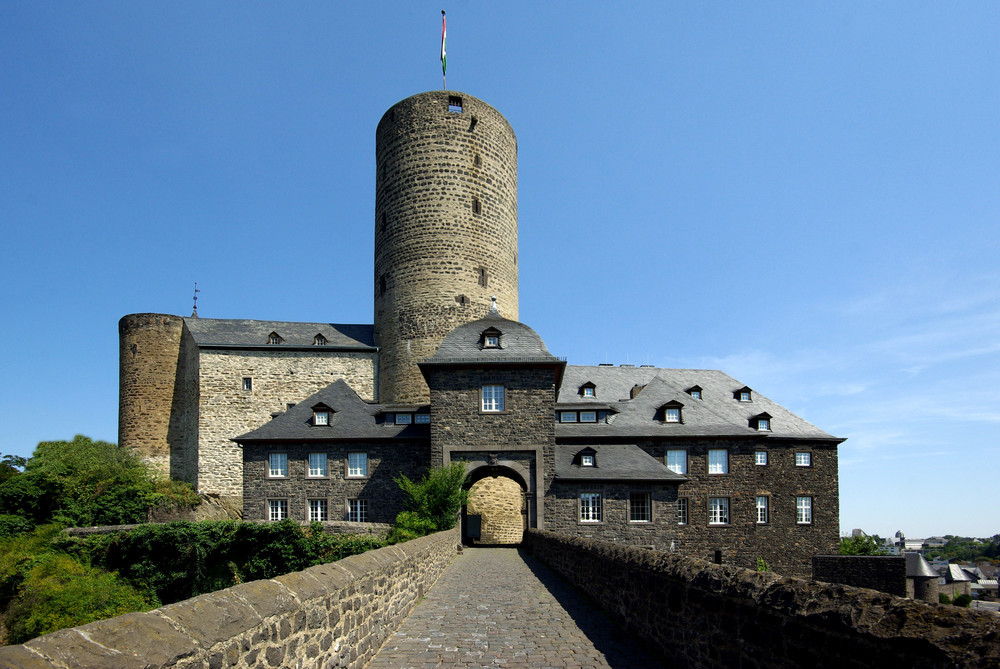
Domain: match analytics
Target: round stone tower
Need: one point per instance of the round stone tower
(445, 229)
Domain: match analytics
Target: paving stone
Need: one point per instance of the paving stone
(498, 607)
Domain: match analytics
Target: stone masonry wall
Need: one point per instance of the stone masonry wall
(279, 378)
(885, 573)
(697, 614)
(445, 229)
(333, 615)
(499, 501)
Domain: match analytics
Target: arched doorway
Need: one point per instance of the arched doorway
(497, 498)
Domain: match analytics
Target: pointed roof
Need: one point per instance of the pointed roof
(615, 462)
(351, 418)
(518, 344)
(244, 334)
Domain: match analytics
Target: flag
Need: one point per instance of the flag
(444, 38)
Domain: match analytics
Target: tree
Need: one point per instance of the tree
(861, 545)
(434, 502)
(10, 466)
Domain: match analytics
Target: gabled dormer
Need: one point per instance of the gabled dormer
(322, 415)
(319, 339)
(670, 412)
(586, 457)
(761, 422)
(490, 338)
(588, 390)
(694, 391)
(743, 394)
(274, 339)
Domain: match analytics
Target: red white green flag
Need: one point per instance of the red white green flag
(444, 52)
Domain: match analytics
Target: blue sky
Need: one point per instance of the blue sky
(803, 195)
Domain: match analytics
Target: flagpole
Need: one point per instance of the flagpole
(444, 53)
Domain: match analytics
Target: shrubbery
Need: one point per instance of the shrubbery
(434, 502)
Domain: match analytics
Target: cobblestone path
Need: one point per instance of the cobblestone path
(498, 607)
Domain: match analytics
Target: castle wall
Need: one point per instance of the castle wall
(279, 378)
(445, 229)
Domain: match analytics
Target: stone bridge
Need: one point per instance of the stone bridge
(507, 607)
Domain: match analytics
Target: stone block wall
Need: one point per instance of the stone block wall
(332, 615)
(500, 503)
(697, 614)
(885, 573)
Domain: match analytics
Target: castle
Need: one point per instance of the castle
(312, 421)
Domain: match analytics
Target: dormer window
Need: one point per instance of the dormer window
(761, 422)
(588, 390)
(695, 392)
(274, 339)
(319, 340)
(744, 394)
(671, 412)
(321, 414)
(491, 338)
(587, 460)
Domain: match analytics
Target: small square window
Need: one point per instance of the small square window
(274, 339)
(803, 510)
(492, 399)
(763, 423)
(247, 383)
(677, 461)
(744, 396)
(357, 465)
(321, 418)
(696, 394)
(588, 391)
(491, 341)
(357, 510)
(277, 509)
(588, 416)
(587, 460)
(803, 459)
(277, 465)
(682, 510)
(319, 340)
(390, 419)
(567, 416)
(640, 507)
(422, 418)
(318, 511)
(403, 419)
(760, 458)
(590, 507)
(718, 510)
(672, 415)
(317, 465)
(762, 510)
(455, 104)
(718, 461)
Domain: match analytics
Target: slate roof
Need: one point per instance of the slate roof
(352, 419)
(238, 333)
(918, 567)
(615, 462)
(717, 414)
(518, 344)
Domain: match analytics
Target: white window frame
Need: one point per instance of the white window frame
(277, 465)
(718, 461)
(591, 507)
(491, 341)
(357, 465)
(764, 424)
(319, 510)
(357, 510)
(677, 461)
(587, 460)
(588, 416)
(644, 508)
(492, 399)
(763, 509)
(277, 510)
(672, 415)
(803, 510)
(321, 418)
(745, 396)
(682, 510)
(248, 384)
(317, 465)
(696, 394)
(404, 419)
(567, 417)
(718, 511)
(588, 391)
(803, 459)
(760, 458)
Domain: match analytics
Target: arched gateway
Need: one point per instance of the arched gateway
(497, 511)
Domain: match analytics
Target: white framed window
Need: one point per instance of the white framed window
(640, 507)
(672, 415)
(277, 465)
(318, 511)
(492, 397)
(277, 509)
(588, 416)
(317, 465)
(587, 460)
(760, 458)
(588, 391)
(422, 418)
(491, 341)
(319, 340)
(321, 418)
(590, 507)
(718, 461)
(682, 510)
(404, 419)
(357, 465)
(567, 416)
(718, 510)
(762, 509)
(273, 339)
(763, 423)
(696, 394)
(803, 459)
(357, 510)
(248, 384)
(803, 510)
(677, 461)
(744, 396)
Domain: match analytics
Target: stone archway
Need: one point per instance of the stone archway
(499, 500)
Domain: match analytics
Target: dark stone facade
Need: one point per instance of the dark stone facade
(885, 573)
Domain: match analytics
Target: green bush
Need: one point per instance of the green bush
(962, 600)
(943, 598)
(434, 502)
(12, 526)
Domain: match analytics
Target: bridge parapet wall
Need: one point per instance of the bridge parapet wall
(698, 614)
(333, 615)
